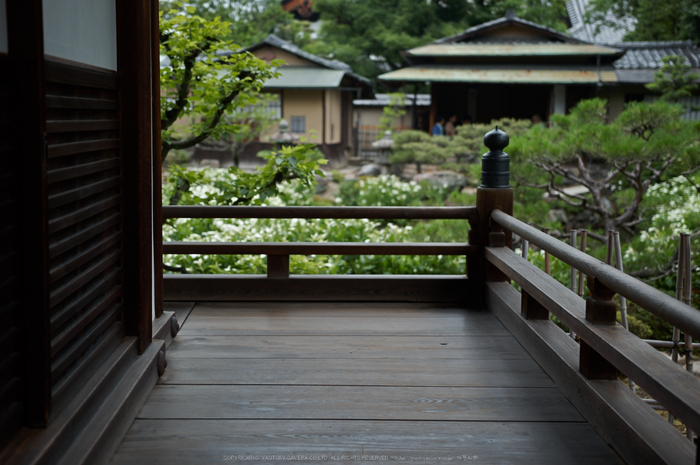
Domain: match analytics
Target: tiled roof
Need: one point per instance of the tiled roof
(382, 100)
(648, 55)
(275, 41)
(509, 18)
(291, 48)
(586, 31)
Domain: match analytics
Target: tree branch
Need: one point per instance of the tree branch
(211, 125)
(183, 92)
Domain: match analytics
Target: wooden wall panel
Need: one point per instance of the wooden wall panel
(84, 173)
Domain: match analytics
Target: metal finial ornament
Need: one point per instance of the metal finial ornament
(495, 164)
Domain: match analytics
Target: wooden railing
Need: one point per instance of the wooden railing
(634, 430)
(605, 346)
(278, 252)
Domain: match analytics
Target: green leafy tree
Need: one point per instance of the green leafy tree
(459, 153)
(419, 148)
(395, 109)
(616, 162)
(251, 20)
(199, 82)
(206, 83)
(197, 187)
(468, 145)
(251, 122)
(369, 35)
(674, 80)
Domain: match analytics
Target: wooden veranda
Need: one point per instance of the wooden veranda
(423, 369)
(281, 367)
(343, 382)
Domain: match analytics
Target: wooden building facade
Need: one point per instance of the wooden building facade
(79, 138)
(514, 68)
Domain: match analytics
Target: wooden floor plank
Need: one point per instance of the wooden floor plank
(334, 347)
(357, 372)
(342, 326)
(332, 309)
(358, 402)
(400, 382)
(177, 442)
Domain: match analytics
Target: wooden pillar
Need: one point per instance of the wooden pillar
(134, 35)
(24, 77)
(157, 164)
(600, 310)
(494, 193)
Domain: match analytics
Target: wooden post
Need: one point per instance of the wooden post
(547, 257)
(531, 309)
(135, 70)
(601, 309)
(278, 266)
(494, 192)
(157, 167)
(24, 80)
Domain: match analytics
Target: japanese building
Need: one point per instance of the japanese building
(514, 68)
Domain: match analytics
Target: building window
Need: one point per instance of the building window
(297, 125)
(274, 105)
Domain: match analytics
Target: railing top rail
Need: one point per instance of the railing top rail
(375, 213)
(664, 306)
(319, 248)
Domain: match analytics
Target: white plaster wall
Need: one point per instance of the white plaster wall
(84, 31)
(559, 100)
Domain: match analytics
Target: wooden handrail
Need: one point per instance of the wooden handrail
(674, 387)
(374, 213)
(664, 306)
(319, 248)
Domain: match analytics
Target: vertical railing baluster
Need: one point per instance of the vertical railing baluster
(688, 285)
(572, 280)
(524, 248)
(547, 257)
(581, 276)
(680, 278)
(623, 301)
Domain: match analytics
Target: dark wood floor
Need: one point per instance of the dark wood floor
(333, 382)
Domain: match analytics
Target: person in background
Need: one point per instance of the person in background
(450, 129)
(537, 119)
(438, 129)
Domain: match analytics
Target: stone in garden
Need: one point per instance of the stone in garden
(445, 179)
(557, 215)
(371, 169)
(210, 162)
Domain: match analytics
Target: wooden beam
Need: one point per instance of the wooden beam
(318, 248)
(332, 288)
(376, 213)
